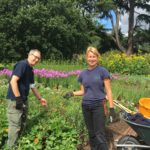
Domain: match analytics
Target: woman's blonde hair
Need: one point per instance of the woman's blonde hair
(93, 50)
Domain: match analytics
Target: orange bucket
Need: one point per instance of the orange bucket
(144, 107)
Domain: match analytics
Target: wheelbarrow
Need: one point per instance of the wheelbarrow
(127, 142)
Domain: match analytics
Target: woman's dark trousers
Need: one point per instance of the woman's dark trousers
(95, 121)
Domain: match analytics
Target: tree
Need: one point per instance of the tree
(131, 27)
(121, 7)
(129, 6)
(141, 38)
(143, 17)
(106, 10)
(57, 27)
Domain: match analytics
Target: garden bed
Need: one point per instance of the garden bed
(114, 132)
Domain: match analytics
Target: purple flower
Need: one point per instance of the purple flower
(6, 72)
(46, 73)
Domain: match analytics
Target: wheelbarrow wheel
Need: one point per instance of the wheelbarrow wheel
(128, 140)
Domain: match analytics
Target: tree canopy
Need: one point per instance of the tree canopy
(61, 28)
(105, 7)
(57, 27)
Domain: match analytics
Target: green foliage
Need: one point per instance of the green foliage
(129, 89)
(56, 127)
(57, 83)
(57, 27)
(2, 66)
(4, 84)
(61, 125)
(52, 134)
(141, 39)
(121, 63)
(60, 65)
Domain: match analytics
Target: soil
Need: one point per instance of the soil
(114, 132)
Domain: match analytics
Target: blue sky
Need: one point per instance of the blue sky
(107, 22)
(123, 23)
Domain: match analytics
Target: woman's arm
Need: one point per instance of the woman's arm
(109, 92)
(80, 92)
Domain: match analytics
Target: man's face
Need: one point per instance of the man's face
(34, 58)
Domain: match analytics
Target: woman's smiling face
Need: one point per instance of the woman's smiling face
(92, 59)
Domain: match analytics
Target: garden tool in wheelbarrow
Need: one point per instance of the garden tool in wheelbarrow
(123, 108)
(143, 107)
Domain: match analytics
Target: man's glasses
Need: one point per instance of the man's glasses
(37, 57)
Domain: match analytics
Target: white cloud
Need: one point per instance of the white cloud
(124, 21)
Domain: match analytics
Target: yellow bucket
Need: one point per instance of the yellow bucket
(144, 107)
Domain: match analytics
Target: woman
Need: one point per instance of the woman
(94, 86)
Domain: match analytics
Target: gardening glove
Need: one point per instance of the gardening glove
(19, 103)
(112, 115)
(68, 95)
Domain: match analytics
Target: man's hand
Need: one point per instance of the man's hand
(19, 103)
(43, 102)
(112, 115)
(68, 95)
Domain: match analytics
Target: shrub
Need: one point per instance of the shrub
(121, 63)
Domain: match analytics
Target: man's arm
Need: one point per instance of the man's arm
(39, 97)
(14, 85)
(15, 89)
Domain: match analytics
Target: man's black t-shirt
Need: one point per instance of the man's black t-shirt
(25, 72)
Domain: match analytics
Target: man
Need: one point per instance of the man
(22, 79)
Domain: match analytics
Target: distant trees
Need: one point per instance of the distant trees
(106, 10)
(57, 27)
(120, 7)
(61, 28)
(129, 7)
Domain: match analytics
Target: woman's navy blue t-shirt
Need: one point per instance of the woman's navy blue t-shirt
(93, 83)
(25, 72)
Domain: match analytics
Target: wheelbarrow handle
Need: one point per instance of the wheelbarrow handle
(116, 103)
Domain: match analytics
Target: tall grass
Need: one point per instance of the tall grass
(60, 65)
(129, 89)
